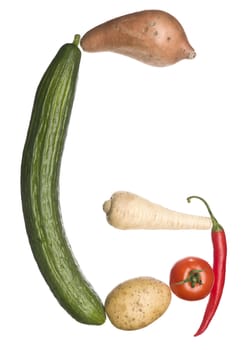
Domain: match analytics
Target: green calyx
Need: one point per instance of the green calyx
(194, 278)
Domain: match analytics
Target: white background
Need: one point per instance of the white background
(163, 133)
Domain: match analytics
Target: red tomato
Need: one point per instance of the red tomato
(191, 278)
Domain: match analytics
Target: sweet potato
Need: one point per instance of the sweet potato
(153, 37)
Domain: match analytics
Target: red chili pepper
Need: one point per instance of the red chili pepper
(219, 268)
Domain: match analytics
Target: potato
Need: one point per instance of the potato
(153, 37)
(137, 302)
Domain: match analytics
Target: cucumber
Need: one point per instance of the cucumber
(40, 170)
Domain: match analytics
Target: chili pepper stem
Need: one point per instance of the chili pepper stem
(216, 225)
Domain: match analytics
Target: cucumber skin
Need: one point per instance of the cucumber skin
(40, 169)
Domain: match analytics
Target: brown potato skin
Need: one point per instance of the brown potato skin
(153, 37)
(137, 302)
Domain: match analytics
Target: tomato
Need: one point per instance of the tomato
(191, 278)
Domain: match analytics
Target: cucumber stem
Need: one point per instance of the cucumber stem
(76, 40)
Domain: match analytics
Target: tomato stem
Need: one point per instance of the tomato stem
(193, 278)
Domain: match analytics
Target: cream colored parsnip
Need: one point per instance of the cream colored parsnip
(137, 302)
(125, 210)
(152, 36)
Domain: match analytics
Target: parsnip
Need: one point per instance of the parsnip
(125, 210)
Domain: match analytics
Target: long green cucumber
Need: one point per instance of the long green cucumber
(40, 170)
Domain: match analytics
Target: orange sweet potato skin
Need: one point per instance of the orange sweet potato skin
(153, 37)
